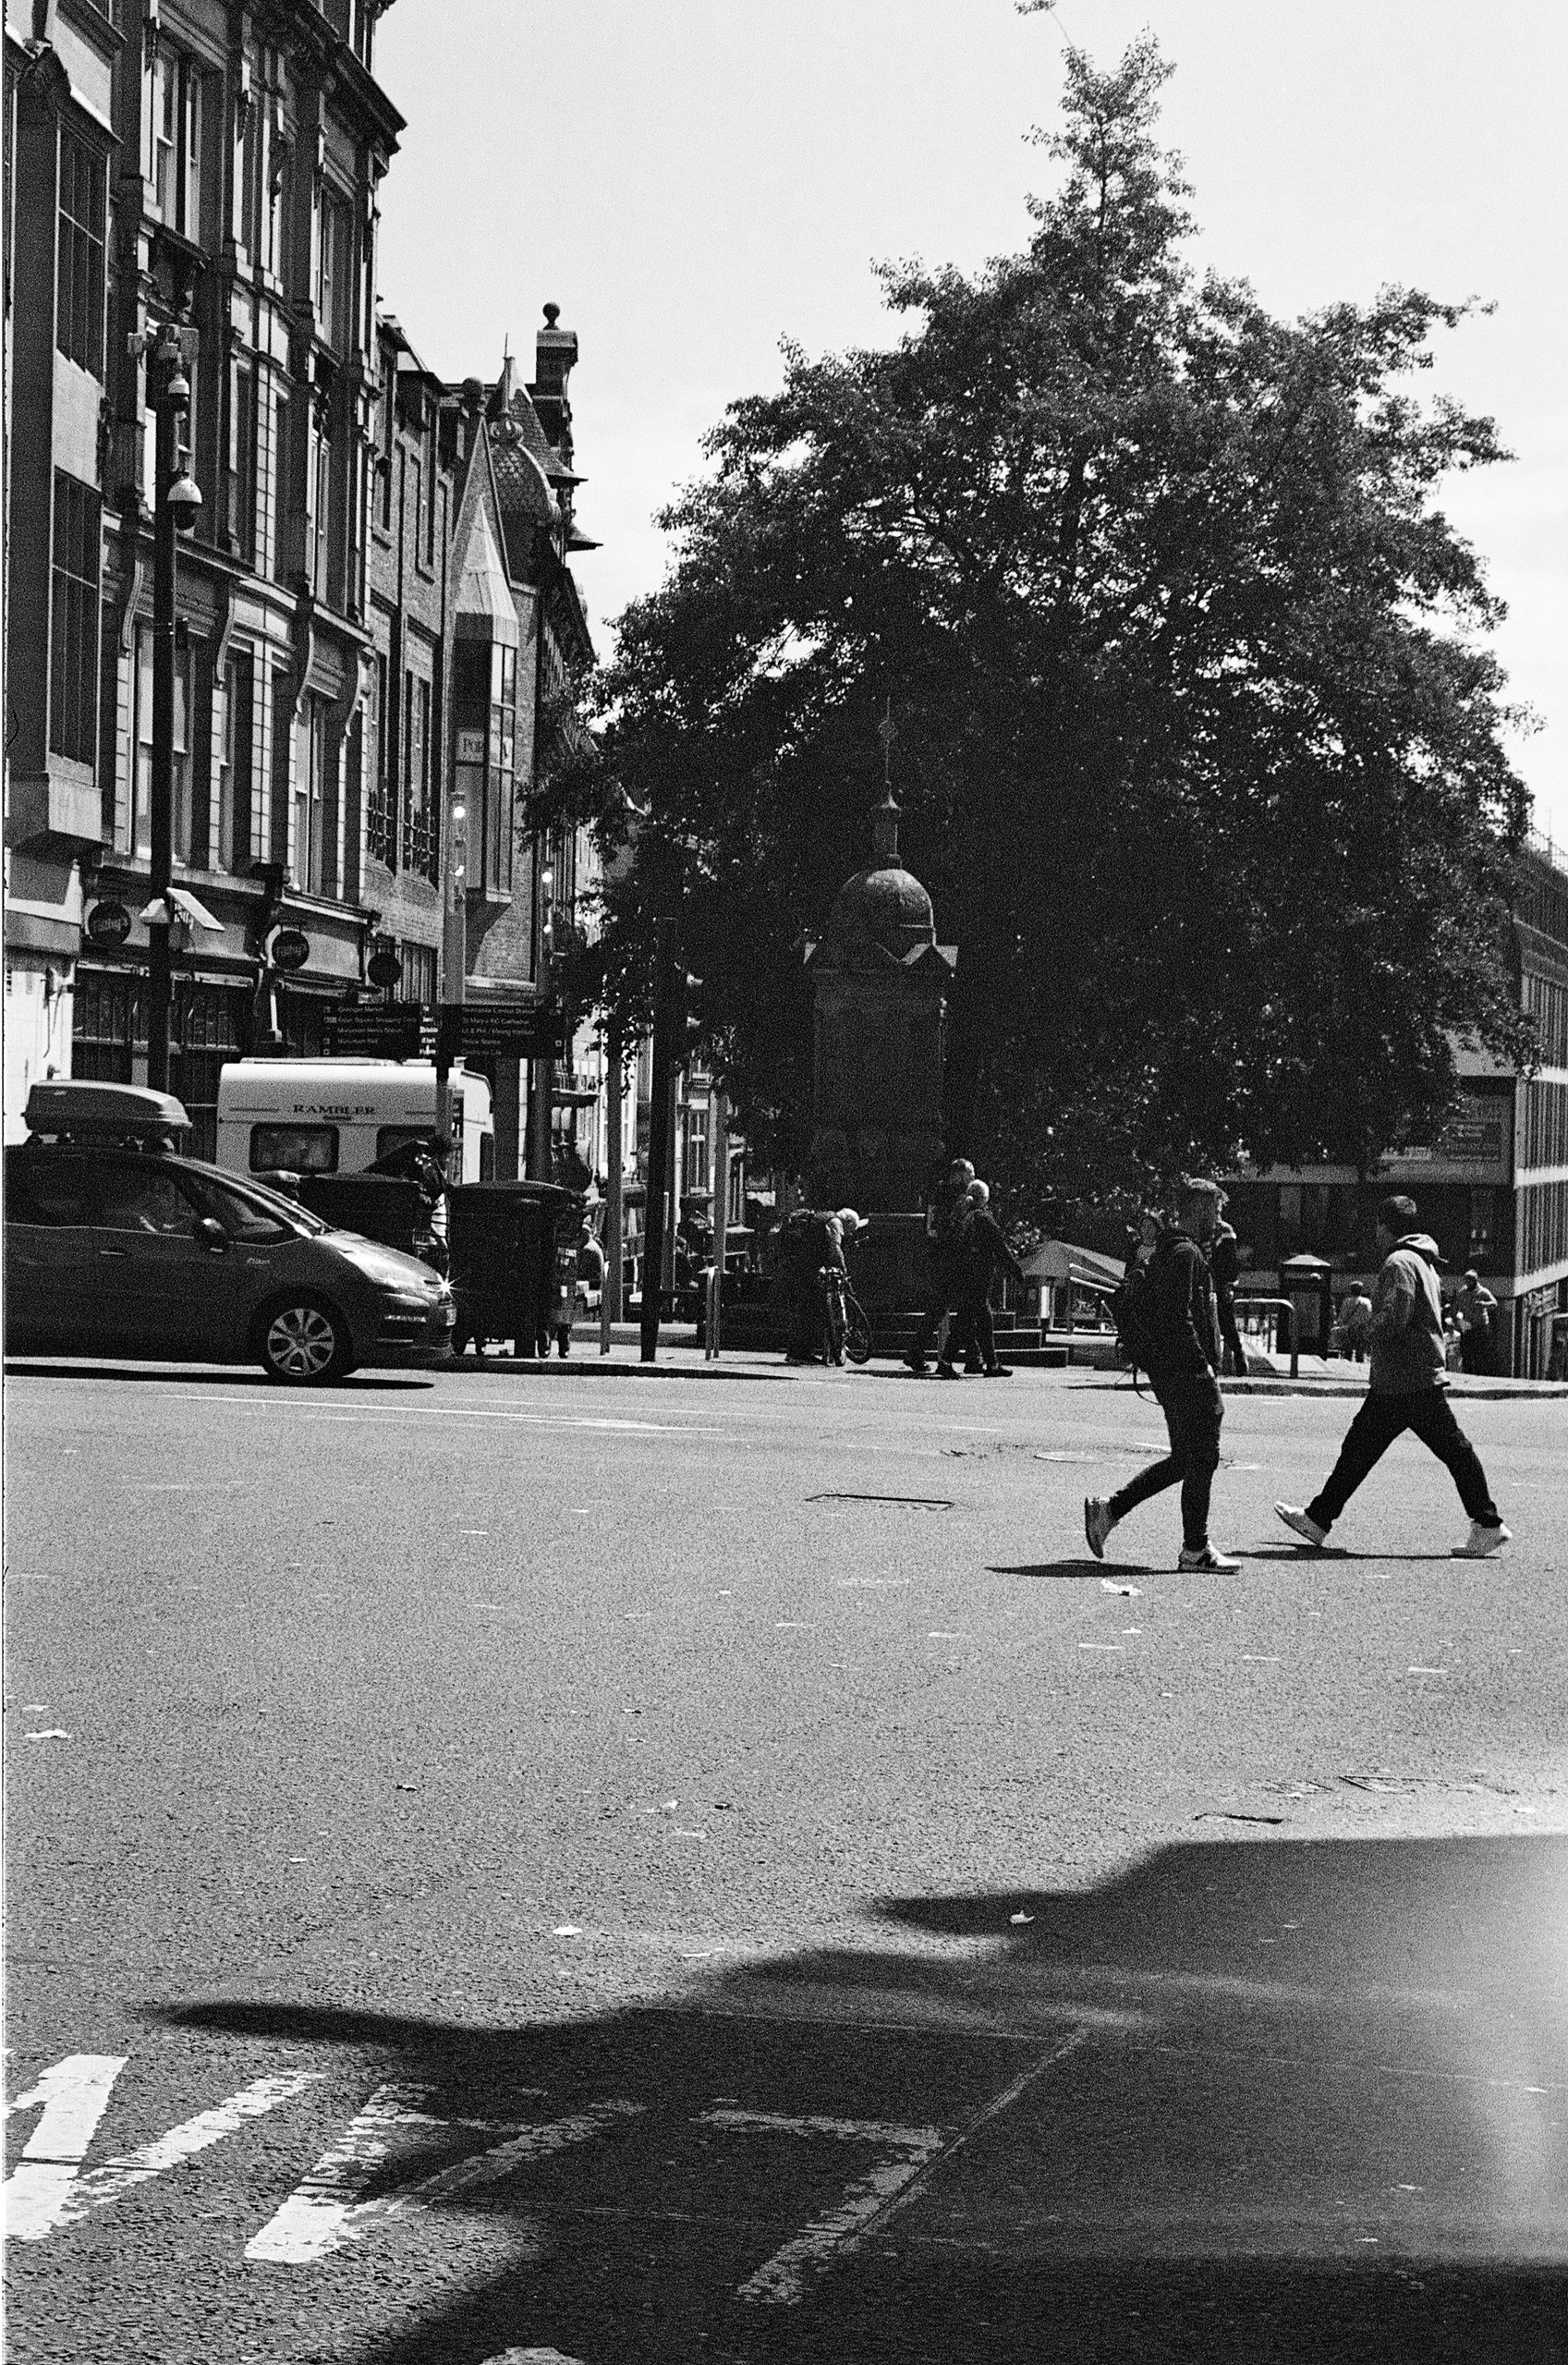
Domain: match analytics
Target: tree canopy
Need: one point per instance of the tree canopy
(1198, 742)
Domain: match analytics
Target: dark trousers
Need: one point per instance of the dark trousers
(934, 1323)
(1426, 1411)
(974, 1333)
(1193, 1410)
(1475, 1351)
(1236, 1358)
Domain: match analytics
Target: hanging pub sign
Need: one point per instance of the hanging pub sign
(374, 1029)
(291, 950)
(384, 968)
(501, 1030)
(108, 923)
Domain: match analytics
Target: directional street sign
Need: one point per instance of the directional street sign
(501, 1030)
(375, 1030)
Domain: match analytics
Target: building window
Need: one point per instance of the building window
(421, 844)
(73, 625)
(697, 1150)
(415, 505)
(321, 521)
(176, 141)
(140, 829)
(418, 973)
(333, 274)
(388, 441)
(108, 1027)
(242, 462)
(380, 803)
(309, 796)
(236, 721)
(500, 784)
(431, 472)
(78, 308)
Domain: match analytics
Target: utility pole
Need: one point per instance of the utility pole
(615, 1205)
(658, 1137)
(175, 500)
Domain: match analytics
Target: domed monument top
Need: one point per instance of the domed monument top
(883, 904)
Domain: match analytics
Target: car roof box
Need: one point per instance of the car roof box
(117, 1109)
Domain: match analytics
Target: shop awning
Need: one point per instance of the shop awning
(1059, 1261)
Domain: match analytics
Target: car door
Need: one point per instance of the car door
(165, 1289)
(50, 1263)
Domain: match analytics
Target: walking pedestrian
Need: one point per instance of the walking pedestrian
(1476, 1309)
(982, 1252)
(1183, 1360)
(1225, 1264)
(946, 1214)
(1407, 1390)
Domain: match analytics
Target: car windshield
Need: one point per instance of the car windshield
(249, 1210)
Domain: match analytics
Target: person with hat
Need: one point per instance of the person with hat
(1475, 1310)
(1408, 1389)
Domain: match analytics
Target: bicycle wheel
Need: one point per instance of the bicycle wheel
(856, 1332)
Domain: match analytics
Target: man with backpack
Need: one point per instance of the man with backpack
(1408, 1389)
(1170, 1328)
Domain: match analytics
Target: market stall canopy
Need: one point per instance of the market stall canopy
(1060, 1260)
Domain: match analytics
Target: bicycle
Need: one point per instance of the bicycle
(845, 1323)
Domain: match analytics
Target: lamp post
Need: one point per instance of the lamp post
(175, 500)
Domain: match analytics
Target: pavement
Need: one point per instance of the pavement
(516, 1866)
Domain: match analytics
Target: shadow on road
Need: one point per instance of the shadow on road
(1276, 2101)
(231, 1374)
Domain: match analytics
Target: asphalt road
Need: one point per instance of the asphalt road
(632, 1869)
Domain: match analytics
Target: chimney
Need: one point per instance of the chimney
(555, 350)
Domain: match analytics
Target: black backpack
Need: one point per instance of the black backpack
(1134, 1311)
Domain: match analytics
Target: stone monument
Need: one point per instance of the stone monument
(879, 982)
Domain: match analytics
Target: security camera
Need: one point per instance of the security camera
(185, 499)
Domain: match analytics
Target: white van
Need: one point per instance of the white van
(337, 1116)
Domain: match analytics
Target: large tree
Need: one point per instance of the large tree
(1198, 742)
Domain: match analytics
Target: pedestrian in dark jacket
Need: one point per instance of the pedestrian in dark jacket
(1225, 1264)
(946, 1214)
(982, 1253)
(1408, 1390)
(1183, 1359)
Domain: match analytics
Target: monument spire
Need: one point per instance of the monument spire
(884, 821)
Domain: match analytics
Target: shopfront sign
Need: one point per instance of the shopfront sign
(384, 968)
(291, 950)
(108, 923)
(470, 746)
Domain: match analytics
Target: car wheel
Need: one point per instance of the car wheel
(304, 1343)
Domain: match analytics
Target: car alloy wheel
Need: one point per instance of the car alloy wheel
(302, 1345)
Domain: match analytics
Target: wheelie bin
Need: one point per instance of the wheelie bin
(505, 1238)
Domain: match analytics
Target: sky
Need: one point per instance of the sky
(693, 182)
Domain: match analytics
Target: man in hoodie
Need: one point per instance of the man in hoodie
(1408, 1390)
(1184, 1356)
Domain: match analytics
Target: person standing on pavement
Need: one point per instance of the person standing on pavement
(1225, 1264)
(1355, 1322)
(1182, 1363)
(1408, 1390)
(1476, 1309)
(982, 1252)
(946, 1215)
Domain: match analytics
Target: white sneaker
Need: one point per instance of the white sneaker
(1219, 1562)
(1300, 1525)
(1098, 1523)
(1482, 1540)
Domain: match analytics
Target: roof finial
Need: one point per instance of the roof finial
(884, 821)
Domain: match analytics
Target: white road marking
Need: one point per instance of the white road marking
(64, 2199)
(782, 2280)
(327, 2210)
(74, 2095)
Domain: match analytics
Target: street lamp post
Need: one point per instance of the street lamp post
(175, 501)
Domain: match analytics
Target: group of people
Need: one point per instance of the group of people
(965, 1248)
(1182, 1353)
